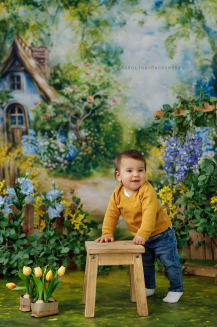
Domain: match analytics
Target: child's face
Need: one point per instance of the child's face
(132, 174)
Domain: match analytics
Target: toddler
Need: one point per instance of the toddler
(136, 200)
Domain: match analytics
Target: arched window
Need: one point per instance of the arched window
(15, 82)
(16, 116)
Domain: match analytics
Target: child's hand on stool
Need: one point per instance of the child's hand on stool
(103, 239)
(139, 240)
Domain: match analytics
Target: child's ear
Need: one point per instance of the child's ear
(118, 176)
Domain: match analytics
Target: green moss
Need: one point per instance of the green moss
(197, 307)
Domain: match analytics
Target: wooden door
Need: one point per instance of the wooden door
(16, 118)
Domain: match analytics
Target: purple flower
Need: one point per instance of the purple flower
(178, 159)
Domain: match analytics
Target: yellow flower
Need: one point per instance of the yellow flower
(11, 285)
(61, 271)
(38, 199)
(27, 271)
(49, 276)
(38, 272)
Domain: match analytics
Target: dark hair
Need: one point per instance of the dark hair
(134, 154)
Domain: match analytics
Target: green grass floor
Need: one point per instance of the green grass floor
(196, 308)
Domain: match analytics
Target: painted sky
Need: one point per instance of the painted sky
(142, 40)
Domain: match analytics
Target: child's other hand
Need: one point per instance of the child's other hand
(103, 239)
(139, 240)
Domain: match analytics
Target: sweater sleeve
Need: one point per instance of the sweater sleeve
(149, 203)
(111, 218)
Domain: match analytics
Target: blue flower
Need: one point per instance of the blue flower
(60, 207)
(1, 201)
(29, 199)
(11, 193)
(72, 152)
(6, 211)
(62, 137)
(27, 187)
(32, 132)
(52, 195)
(30, 145)
(53, 213)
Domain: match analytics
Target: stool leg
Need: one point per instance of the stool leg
(132, 284)
(91, 285)
(141, 299)
(85, 281)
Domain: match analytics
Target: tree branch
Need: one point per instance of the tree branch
(3, 42)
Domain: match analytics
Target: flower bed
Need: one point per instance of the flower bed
(48, 246)
(192, 178)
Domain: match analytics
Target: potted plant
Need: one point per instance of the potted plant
(28, 297)
(46, 282)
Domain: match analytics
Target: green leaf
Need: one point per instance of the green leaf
(199, 113)
(200, 229)
(65, 250)
(31, 238)
(22, 235)
(39, 286)
(184, 270)
(212, 99)
(189, 194)
(66, 223)
(19, 288)
(202, 178)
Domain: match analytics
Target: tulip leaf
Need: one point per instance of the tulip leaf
(39, 286)
(19, 288)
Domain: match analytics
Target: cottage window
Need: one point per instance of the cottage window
(16, 116)
(15, 82)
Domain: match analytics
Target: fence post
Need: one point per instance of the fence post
(6, 174)
(28, 224)
(15, 169)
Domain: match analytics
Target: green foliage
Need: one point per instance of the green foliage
(185, 124)
(45, 248)
(4, 96)
(199, 186)
(86, 111)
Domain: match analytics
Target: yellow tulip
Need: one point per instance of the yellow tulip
(49, 276)
(11, 285)
(27, 271)
(61, 271)
(38, 272)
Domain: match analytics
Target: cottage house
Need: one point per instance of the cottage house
(24, 73)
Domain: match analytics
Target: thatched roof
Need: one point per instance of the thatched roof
(19, 50)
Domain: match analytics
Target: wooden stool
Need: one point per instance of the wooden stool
(115, 253)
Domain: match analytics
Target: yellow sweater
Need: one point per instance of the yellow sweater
(141, 211)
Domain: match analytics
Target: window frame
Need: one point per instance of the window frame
(16, 115)
(15, 83)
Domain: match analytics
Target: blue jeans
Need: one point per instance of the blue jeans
(164, 246)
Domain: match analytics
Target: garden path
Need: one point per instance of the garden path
(94, 192)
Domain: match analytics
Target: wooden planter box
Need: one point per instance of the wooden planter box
(25, 304)
(44, 309)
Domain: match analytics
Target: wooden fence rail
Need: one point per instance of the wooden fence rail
(28, 223)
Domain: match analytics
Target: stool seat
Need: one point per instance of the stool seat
(114, 253)
(113, 247)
